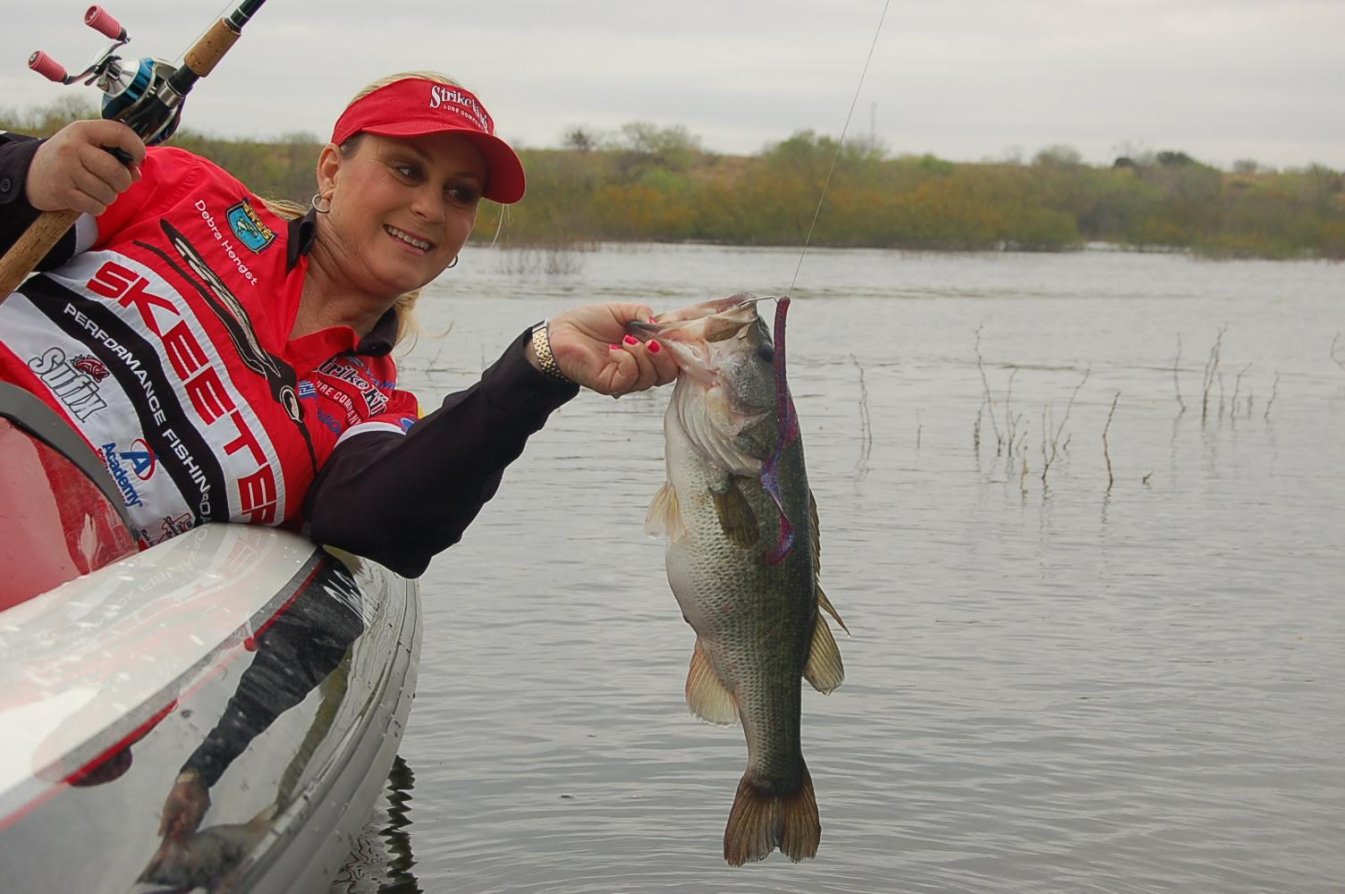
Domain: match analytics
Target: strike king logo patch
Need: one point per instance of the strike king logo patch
(248, 227)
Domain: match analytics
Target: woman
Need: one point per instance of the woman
(229, 362)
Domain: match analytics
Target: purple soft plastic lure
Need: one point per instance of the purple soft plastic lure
(788, 433)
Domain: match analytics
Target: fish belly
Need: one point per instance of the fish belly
(753, 620)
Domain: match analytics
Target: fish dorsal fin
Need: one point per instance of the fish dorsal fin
(824, 669)
(817, 537)
(707, 696)
(825, 604)
(665, 514)
(822, 601)
(736, 518)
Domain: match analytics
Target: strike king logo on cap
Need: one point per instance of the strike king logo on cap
(464, 103)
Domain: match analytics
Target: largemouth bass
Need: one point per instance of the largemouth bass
(742, 559)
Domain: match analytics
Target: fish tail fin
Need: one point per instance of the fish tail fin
(762, 820)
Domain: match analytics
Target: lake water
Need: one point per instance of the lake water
(1060, 678)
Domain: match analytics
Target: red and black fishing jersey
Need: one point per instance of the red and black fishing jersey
(165, 342)
(162, 336)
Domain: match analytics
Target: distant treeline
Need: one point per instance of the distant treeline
(651, 184)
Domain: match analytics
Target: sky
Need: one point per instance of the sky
(966, 80)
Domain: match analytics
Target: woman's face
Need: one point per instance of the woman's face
(401, 208)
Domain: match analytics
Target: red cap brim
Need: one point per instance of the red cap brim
(414, 107)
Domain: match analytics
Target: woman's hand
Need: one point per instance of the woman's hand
(74, 170)
(184, 807)
(592, 347)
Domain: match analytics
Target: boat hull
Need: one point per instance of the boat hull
(274, 675)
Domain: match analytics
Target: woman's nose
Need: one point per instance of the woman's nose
(428, 203)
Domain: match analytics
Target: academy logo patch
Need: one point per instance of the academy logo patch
(141, 458)
(249, 228)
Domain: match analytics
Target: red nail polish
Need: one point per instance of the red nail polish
(654, 347)
(614, 347)
(631, 340)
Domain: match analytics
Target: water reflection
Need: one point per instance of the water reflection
(381, 861)
(305, 647)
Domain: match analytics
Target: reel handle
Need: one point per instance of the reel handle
(101, 20)
(48, 67)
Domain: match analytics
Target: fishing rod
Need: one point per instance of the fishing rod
(145, 94)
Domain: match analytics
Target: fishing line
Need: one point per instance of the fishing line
(840, 144)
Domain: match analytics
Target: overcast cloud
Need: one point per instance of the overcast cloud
(967, 80)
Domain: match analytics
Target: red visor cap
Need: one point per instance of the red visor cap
(414, 107)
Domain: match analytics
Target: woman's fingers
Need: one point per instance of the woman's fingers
(76, 170)
(592, 346)
(650, 364)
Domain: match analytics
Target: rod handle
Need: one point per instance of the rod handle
(101, 20)
(210, 48)
(24, 255)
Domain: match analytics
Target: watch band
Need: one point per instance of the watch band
(541, 346)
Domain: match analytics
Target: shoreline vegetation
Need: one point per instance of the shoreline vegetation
(645, 183)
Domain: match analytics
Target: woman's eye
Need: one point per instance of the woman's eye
(464, 195)
(409, 171)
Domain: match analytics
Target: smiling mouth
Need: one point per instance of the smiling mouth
(403, 236)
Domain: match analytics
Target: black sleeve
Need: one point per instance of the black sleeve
(401, 499)
(296, 652)
(16, 156)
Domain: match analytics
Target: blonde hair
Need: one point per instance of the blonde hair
(405, 304)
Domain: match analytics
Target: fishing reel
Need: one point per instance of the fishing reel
(136, 92)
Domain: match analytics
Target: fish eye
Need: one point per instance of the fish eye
(766, 352)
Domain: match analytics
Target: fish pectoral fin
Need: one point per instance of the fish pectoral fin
(665, 514)
(824, 669)
(825, 604)
(736, 518)
(707, 696)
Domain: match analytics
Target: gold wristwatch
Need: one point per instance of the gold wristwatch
(541, 346)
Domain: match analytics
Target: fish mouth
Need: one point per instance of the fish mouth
(667, 325)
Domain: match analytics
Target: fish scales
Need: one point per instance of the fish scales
(742, 560)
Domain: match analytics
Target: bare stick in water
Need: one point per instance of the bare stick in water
(1237, 388)
(1106, 453)
(1055, 438)
(1274, 390)
(1211, 373)
(989, 401)
(865, 425)
(1010, 420)
(1176, 364)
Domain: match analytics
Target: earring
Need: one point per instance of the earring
(453, 263)
(321, 204)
